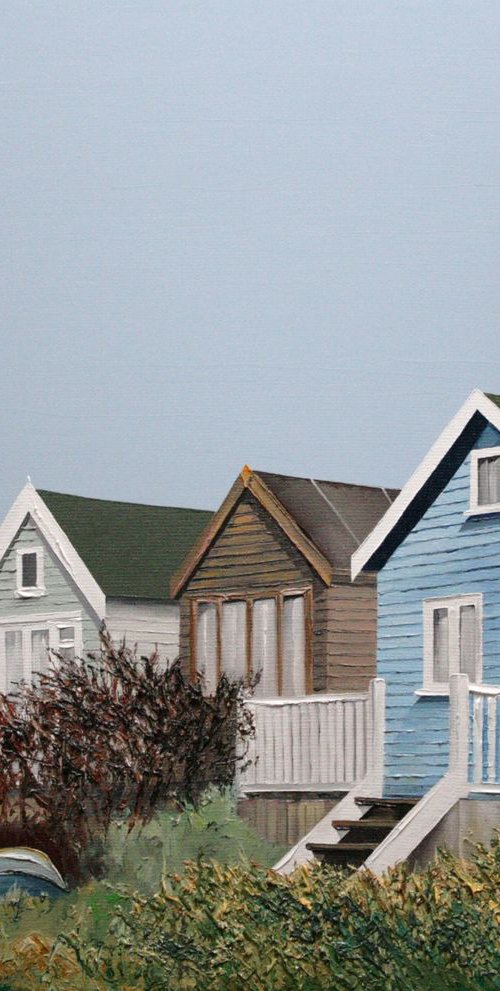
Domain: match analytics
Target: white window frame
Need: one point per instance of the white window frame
(28, 625)
(70, 642)
(30, 592)
(452, 604)
(476, 456)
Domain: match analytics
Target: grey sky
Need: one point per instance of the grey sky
(262, 232)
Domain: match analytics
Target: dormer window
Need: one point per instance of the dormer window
(30, 578)
(485, 480)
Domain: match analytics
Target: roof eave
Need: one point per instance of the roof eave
(29, 502)
(206, 538)
(251, 481)
(477, 402)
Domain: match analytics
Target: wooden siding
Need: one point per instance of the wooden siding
(62, 595)
(345, 636)
(147, 624)
(284, 820)
(446, 554)
(251, 554)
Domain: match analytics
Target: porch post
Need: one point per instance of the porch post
(459, 726)
(377, 706)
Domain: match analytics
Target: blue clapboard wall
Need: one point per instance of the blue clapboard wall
(446, 554)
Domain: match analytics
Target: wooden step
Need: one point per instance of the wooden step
(341, 847)
(387, 803)
(364, 823)
(345, 855)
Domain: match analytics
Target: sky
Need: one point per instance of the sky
(243, 231)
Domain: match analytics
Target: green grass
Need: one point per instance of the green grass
(135, 862)
(211, 832)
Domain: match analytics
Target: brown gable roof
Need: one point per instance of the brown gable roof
(336, 516)
(326, 521)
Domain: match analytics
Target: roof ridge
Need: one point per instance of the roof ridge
(327, 481)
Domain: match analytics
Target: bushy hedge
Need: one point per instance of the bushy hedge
(221, 928)
(111, 734)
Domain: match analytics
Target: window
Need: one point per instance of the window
(265, 634)
(14, 667)
(66, 645)
(485, 480)
(452, 640)
(30, 577)
(25, 647)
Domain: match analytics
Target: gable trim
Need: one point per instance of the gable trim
(477, 402)
(30, 503)
(249, 480)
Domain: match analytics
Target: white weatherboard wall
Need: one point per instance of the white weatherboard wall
(147, 624)
(62, 596)
(448, 553)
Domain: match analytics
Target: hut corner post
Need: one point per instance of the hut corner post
(376, 732)
(459, 727)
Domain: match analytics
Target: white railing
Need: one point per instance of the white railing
(315, 743)
(484, 722)
(475, 726)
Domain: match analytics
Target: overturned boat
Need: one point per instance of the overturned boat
(29, 870)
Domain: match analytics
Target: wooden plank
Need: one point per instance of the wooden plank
(478, 739)
(324, 743)
(193, 633)
(287, 744)
(244, 553)
(314, 739)
(279, 641)
(255, 568)
(201, 545)
(309, 633)
(233, 583)
(219, 639)
(279, 760)
(339, 741)
(249, 665)
(260, 743)
(332, 743)
(249, 776)
(492, 738)
(305, 762)
(360, 740)
(349, 741)
(296, 744)
(268, 745)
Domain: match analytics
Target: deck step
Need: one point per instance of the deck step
(345, 855)
(387, 803)
(341, 847)
(364, 823)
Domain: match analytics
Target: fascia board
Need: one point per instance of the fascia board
(477, 402)
(30, 503)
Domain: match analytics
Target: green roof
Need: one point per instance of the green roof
(131, 550)
(494, 399)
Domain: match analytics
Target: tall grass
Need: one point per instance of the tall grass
(234, 926)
